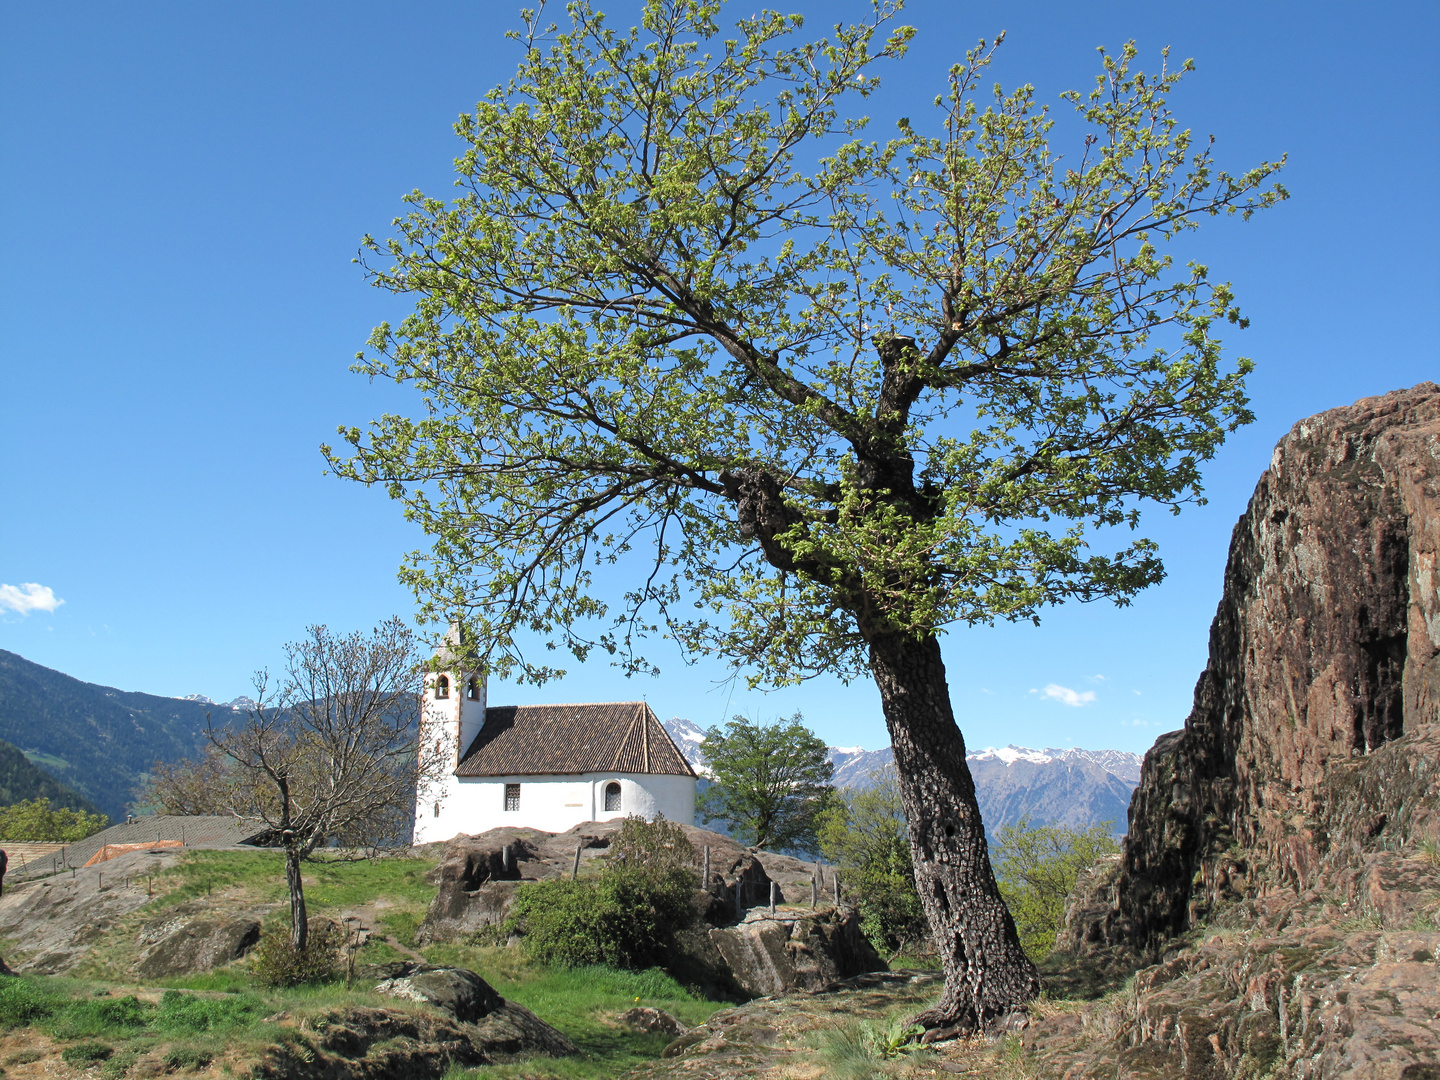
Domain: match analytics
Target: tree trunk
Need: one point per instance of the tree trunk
(299, 924)
(987, 974)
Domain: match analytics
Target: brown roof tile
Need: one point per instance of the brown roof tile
(530, 740)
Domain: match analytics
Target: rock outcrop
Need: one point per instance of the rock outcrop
(795, 950)
(458, 991)
(737, 948)
(363, 1042)
(477, 876)
(1325, 648)
(187, 941)
(55, 922)
(1281, 872)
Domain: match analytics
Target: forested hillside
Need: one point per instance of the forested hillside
(21, 779)
(98, 740)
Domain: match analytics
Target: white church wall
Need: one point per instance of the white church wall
(551, 803)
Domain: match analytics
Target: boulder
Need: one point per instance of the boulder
(365, 1042)
(512, 1033)
(459, 992)
(652, 1021)
(771, 954)
(189, 943)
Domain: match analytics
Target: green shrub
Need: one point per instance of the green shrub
(626, 919)
(658, 846)
(186, 1059)
(118, 1065)
(278, 963)
(862, 831)
(1036, 867)
(86, 1053)
(23, 1002)
(189, 1013)
(79, 1019)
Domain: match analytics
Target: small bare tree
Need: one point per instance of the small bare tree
(329, 751)
(188, 786)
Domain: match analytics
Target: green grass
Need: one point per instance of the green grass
(403, 924)
(219, 1015)
(331, 884)
(582, 1003)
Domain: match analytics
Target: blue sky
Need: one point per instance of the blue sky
(182, 187)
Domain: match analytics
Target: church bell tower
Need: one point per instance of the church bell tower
(451, 716)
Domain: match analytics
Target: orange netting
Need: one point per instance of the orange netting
(110, 851)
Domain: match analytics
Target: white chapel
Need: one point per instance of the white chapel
(547, 767)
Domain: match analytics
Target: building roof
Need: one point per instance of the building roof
(531, 740)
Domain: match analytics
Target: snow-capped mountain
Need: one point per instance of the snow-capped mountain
(237, 704)
(1124, 765)
(1071, 786)
(854, 764)
(688, 736)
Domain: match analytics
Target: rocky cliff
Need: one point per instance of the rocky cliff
(1323, 650)
(1283, 858)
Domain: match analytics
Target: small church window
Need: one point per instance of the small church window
(472, 689)
(437, 809)
(612, 797)
(442, 687)
(512, 796)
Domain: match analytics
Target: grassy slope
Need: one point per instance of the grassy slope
(221, 1015)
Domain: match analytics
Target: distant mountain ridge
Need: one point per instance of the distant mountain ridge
(1071, 787)
(98, 740)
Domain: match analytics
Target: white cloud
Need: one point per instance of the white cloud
(1096, 678)
(1066, 696)
(28, 597)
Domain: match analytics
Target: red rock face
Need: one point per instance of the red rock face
(1325, 647)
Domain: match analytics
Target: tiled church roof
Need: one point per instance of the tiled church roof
(529, 740)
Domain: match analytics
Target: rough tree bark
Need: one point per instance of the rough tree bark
(987, 974)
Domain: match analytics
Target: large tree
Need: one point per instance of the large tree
(819, 396)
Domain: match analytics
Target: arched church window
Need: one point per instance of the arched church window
(472, 689)
(612, 797)
(437, 809)
(442, 687)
